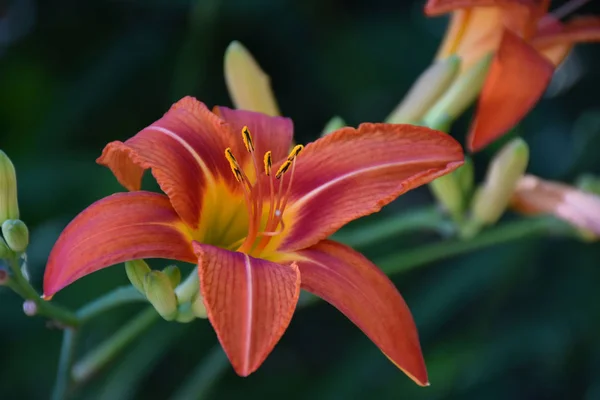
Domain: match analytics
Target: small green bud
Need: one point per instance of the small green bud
(460, 95)
(160, 294)
(9, 206)
(198, 307)
(505, 170)
(185, 313)
(15, 234)
(448, 192)
(432, 83)
(333, 125)
(136, 272)
(249, 87)
(174, 274)
(465, 175)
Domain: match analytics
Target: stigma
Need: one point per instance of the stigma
(266, 194)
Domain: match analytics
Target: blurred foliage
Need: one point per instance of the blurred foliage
(515, 321)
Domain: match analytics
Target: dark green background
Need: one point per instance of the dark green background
(514, 321)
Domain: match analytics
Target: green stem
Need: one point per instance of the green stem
(107, 350)
(426, 254)
(45, 308)
(198, 384)
(115, 298)
(63, 377)
(426, 218)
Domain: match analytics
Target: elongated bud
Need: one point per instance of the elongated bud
(198, 307)
(174, 275)
(15, 234)
(448, 192)
(185, 313)
(428, 88)
(504, 172)
(249, 87)
(160, 294)
(333, 125)
(465, 176)
(4, 249)
(9, 206)
(136, 272)
(459, 96)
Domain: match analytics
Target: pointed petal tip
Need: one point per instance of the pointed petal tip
(46, 297)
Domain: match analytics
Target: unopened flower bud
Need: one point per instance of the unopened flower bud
(174, 274)
(448, 192)
(465, 175)
(432, 83)
(30, 308)
(15, 234)
(459, 96)
(160, 294)
(9, 206)
(249, 87)
(185, 313)
(136, 272)
(333, 125)
(198, 307)
(504, 172)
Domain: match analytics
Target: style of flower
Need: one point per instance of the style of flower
(255, 218)
(528, 44)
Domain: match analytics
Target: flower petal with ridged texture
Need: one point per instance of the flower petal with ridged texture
(268, 133)
(517, 79)
(438, 7)
(354, 172)
(249, 302)
(534, 195)
(118, 228)
(355, 286)
(556, 41)
(184, 149)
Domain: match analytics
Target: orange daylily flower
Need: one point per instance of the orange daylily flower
(534, 195)
(528, 44)
(256, 218)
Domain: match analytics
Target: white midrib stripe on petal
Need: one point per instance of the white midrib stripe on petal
(189, 148)
(340, 178)
(249, 309)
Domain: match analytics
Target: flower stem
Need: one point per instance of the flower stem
(201, 380)
(23, 288)
(63, 377)
(426, 218)
(107, 350)
(115, 298)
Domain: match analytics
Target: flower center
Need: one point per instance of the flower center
(263, 223)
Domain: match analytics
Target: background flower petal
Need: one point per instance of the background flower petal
(517, 79)
(249, 302)
(118, 228)
(364, 294)
(557, 39)
(184, 149)
(534, 195)
(355, 172)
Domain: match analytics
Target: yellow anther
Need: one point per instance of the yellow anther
(295, 151)
(247, 138)
(284, 167)
(268, 163)
(235, 167)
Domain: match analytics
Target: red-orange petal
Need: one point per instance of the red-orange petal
(184, 149)
(534, 195)
(517, 79)
(249, 302)
(556, 39)
(354, 172)
(118, 228)
(268, 133)
(364, 294)
(438, 7)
